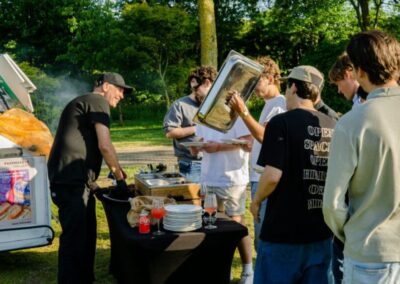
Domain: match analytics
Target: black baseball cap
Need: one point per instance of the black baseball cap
(115, 79)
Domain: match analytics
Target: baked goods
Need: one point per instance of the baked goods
(26, 213)
(4, 207)
(14, 211)
(3, 210)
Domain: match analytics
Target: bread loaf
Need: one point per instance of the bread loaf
(3, 210)
(14, 211)
(26, 213)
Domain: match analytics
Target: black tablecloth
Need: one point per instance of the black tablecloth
(202, 256)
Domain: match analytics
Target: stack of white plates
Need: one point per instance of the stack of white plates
(182, 218)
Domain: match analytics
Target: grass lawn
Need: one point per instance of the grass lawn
(139, 133)
(39, 265)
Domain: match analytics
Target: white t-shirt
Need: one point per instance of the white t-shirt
(224, 168)
(272, 107)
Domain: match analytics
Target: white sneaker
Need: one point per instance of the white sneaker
(246, 278)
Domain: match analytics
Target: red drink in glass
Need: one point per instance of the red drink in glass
(210, 210)
(158, 213)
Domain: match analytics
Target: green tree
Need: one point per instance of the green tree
(156, 48)
(292, 28)
(40, 29)
(303, 32)
(392, 22)
(45, 103)
(231, 18)
(151, 45)
(370, 12)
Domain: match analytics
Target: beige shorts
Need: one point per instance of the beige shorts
(233, 198)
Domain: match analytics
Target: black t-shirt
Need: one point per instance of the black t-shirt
(297, 142)
(75, 158)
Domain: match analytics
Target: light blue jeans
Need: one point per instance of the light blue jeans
(263, 207)
(190, 170)
(356, 272)
(292, 263)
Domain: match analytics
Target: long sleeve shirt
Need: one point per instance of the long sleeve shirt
(364, 162)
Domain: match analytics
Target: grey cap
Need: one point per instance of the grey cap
(115, 79)
(307, 74)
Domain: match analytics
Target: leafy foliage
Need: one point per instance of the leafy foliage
(302, 32)
(41, 29)
(144, 43)
(46, 107)
(154, 43)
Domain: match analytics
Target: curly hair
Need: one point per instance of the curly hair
(271, 68)
(202, 73)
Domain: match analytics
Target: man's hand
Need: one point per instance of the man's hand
(255, 211)
(236, 102)
(212, 147)
(122, 186)
(124, 173)
(248, 146)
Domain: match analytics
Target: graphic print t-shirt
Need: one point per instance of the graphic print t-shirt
(297, 142)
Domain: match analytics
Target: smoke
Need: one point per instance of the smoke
(67, 89)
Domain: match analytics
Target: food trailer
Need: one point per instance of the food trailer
(25, 215)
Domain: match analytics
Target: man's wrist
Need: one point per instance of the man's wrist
(244, 113)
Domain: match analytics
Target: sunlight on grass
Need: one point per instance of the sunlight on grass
(39, 265)
(144, 133)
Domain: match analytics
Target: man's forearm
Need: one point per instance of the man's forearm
(181, 132)
(111, 159)
(267, 183)
(108, 151)
(256, 129)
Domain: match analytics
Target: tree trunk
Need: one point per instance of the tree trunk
(208, 34)
(362, 10)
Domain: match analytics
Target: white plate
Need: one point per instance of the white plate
(180, 219)
(182, 228)
(234, 141)
(186, 224)
(183, 220)
(193, 144)
(183, 208)
(182, 215)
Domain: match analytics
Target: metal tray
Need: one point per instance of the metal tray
(237, 73)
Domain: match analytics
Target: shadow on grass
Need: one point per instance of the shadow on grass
(28, 267)
(41, 267)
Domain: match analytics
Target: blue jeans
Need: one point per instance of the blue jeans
(263, 207)
(292, 263)
(337, 261)
(190, 169)
(376, 273)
